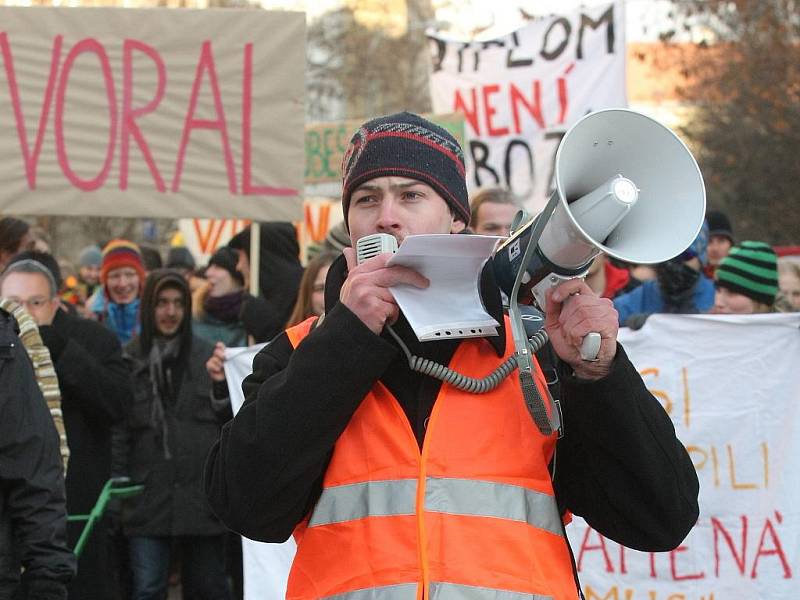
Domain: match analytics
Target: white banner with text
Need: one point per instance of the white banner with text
(520, 93)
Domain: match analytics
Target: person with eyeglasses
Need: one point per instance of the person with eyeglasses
(95, 389)
(35, 562)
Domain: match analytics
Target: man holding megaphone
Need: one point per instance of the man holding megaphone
(398, 486)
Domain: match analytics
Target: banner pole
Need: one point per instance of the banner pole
(255, 258)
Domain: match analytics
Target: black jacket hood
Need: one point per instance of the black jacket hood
(156, 281)
(280, 270)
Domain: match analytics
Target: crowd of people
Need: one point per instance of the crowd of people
(128, 354)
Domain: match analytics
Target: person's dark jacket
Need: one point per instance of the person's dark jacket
(280, 272)
(619, 464)
(165, 446)
(95, 392)
(33, 525)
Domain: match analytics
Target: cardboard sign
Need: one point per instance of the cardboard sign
(151, 113)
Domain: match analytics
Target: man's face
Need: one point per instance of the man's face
(400, 207)
(718, 248)
(494, 219)
(123, 285)
(169, 311)
(31, 290)
(220, 281)
(727, 302)
(90, 274)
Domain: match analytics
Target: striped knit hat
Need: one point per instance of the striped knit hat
(121, 253)
(406, 145)
(751, 269)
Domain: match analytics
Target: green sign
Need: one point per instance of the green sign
(326, 143)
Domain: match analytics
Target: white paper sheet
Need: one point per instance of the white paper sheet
(451, 306)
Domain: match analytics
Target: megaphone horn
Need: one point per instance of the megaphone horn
(626, 185)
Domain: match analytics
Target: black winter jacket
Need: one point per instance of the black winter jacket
(173, 502)
(95, 389)
(619, 464)
(33, 523)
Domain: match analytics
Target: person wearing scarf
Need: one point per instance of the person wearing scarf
(280, 272)
(171, 425)
(117, 302)
(218, 304)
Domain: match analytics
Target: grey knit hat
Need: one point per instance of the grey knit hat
(90, 256)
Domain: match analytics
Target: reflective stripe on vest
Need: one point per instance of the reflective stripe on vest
(454, 591)
(439, 591)
(446, 495)
(360, 500)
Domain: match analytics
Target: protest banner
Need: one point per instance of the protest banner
(731, 385)
(520, 93)
(152, 112)
(265, 566)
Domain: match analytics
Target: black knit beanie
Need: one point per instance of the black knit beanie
(719, 224)
(751, 269)
(227, 258)
(406, 145)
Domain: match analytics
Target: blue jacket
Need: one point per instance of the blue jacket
(122, 319)
(647, 299)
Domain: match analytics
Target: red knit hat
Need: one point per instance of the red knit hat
(121, 253)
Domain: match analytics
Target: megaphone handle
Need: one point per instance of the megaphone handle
(590, 346)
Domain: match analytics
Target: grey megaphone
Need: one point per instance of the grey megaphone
(626, 186)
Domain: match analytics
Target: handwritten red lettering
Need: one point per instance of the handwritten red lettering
(248, 189)
(130, 114)
(489, 111)
(739, 558)
(775, 550)
(205, 64)
(31, 158)
(93, 46)
(673, 563)
(470, 112)
(600, 545)
(534, 106)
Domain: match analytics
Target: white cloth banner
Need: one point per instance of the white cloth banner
(731, 385)
(520, 93)
(265, 566)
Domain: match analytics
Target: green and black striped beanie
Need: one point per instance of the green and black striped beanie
(751, 269)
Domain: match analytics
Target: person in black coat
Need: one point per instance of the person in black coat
(169, 429)
(279, 277)
(95, 389)
(33, 523)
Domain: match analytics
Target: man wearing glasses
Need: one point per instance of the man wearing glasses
(95, 389)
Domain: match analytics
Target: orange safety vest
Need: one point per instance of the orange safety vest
(470, 517)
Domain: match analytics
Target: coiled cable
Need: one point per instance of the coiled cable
(472, 385)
